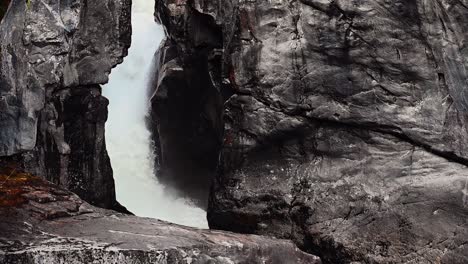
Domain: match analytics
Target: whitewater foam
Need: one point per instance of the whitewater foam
(128, 139)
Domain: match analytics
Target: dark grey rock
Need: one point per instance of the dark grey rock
(345, 123)
(186, 105)
(54, 55)
(51, 45)
(55, 226)
(71, 149)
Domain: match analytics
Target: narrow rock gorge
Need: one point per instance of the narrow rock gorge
(318, 131)
(344, 122)
(128, 138)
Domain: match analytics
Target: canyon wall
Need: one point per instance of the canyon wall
(345, 122)
(186, 102)
(54, 56)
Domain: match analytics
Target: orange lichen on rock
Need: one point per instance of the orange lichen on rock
(13, 184)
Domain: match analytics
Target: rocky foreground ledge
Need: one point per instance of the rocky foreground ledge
(42, 223)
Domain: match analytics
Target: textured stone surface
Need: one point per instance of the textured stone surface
(71, 148)
(186, 105)
(54, 54)
(51, 225)
(345, 123)
(49, 45)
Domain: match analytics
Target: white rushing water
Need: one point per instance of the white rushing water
(128, 139)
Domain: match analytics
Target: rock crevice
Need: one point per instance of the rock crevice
(186, 100)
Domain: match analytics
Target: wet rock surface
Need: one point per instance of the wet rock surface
(186, 105)
(43, 223)
(344, 123)
(54, 55)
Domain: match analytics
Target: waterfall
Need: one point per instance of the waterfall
(128, 139)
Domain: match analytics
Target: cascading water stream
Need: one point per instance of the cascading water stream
(128, 139)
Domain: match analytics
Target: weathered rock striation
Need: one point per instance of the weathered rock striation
(345, 122)
(53, 56)
(41, 223)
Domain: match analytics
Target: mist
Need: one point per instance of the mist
(128, 139)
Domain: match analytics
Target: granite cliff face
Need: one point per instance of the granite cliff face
(41, 223)
(345, 122)
(54, 55)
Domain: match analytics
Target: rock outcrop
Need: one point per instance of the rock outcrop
(186, 105)
(41, 223)
(53, 56)
(345, 122)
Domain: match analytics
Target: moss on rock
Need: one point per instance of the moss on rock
(13, 184)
